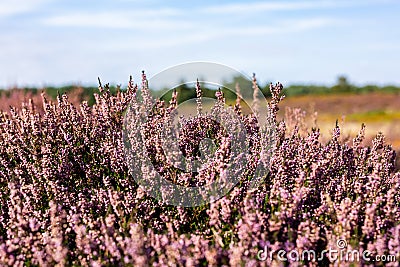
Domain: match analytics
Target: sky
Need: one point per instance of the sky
(59, 42)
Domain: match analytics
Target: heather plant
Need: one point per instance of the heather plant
(68, 197)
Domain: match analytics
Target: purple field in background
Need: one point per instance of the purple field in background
(68, 198)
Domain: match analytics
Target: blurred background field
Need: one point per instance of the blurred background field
(320, 106)
(379, 111)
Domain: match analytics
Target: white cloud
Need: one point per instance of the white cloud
(14, 7)
(138, 19)
(255, 7)
(214, 33)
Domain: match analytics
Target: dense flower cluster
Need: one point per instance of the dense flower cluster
(67, 197)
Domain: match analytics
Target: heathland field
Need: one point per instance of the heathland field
(86, 179)
(379, 111)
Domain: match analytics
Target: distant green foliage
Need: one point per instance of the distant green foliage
(186, 92)
(342, 86)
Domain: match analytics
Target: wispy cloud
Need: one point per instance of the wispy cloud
(198, 35)
(121, 20)
(284, 27)
(256, 7)
(14, 7)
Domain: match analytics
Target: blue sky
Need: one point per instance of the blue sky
(56, 42)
